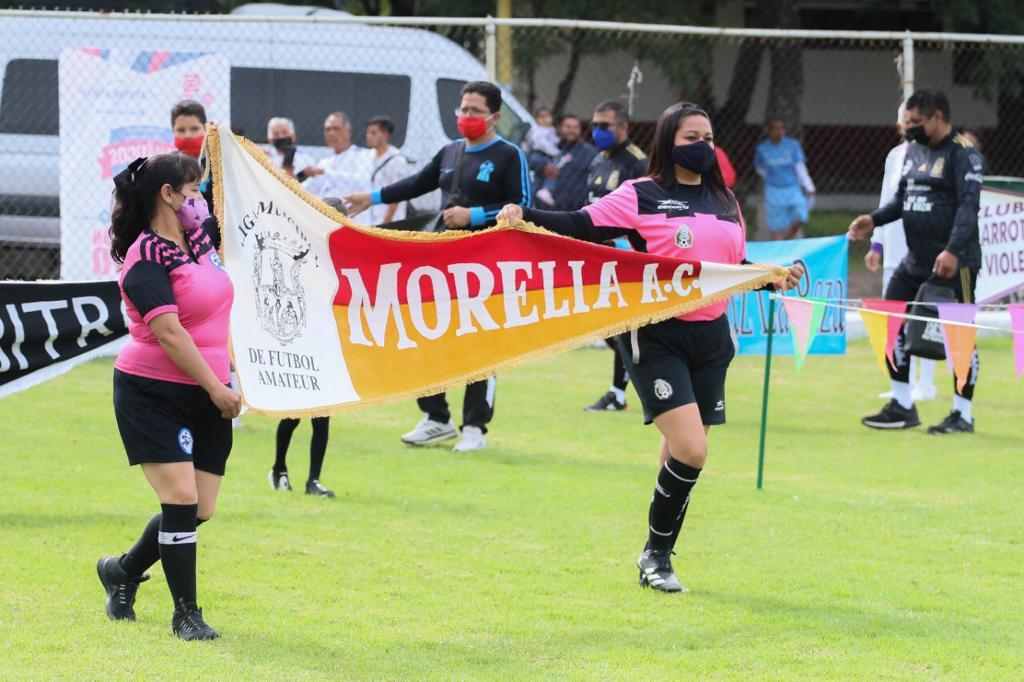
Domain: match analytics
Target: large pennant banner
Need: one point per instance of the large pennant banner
(330, 315)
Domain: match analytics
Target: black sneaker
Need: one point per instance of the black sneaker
(120, 587)
(607, 403)
(954, 423)
(314, 487)
(188, 624)
(279, 480)
(893, 416)
(656, 571)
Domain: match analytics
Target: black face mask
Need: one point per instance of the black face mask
(282, 143)
(698, 157)
(916, 134)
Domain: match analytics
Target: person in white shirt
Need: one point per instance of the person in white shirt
(389, 166)
(348, 169)
(281, 148)
(889, 247)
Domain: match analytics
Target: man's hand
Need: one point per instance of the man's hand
(550, 171)
(510, 214)
(793, 276)
(456, 216)
(945, 265)
(860, 227)
(312, 171)
(873, 259)
(357, 203)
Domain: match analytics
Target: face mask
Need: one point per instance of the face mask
(472, 127)
(698, 157)
(192, 213)
(916, 134)
(604, 138)
(280, 143)
(189, 145)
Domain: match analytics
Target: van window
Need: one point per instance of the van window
(449, 96)
(307, 97)
(28, 103)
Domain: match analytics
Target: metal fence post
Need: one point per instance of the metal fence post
(491, 50)
(908, 66)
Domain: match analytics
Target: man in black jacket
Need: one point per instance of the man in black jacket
(937, 199)
(618, 160)
(477, 177)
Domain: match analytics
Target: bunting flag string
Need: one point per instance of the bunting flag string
(883, 319)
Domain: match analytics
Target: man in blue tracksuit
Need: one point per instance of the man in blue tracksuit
(477, 176)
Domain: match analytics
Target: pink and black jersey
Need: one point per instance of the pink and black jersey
(158, 277)
(687, 221)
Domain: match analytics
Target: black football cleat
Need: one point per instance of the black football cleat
(954, 423)
(314, 487)
(607, 403)
(656, 571)
(120, 588)
(188, 624)
(893, 416)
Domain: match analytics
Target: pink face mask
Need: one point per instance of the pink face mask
(192, 213)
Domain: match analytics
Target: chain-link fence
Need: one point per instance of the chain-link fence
(837, 93)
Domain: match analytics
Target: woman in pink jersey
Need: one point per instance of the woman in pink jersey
(171, 399)
(684, 210)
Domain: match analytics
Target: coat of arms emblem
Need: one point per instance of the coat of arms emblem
(280, 298)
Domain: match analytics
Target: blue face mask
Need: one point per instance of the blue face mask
(604, 138)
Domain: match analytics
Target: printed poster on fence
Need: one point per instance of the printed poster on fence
(115, 106)
(825, 259)
(329, 314)
(1001, 230)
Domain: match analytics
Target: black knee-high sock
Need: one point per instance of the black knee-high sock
(146, 550)
(671, 493)
(178, 550)
(679, 522)
(318, 446)
(285, 429)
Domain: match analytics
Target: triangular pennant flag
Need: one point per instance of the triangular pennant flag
(959, 339)
(893, 322)
(1017, 324)
(804, 319)
(876, 324)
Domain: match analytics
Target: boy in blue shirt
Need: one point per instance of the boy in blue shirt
(779, 160)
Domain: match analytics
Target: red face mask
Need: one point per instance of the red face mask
(189, 145)
(472, 127)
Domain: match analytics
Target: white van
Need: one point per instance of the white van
(300, 70)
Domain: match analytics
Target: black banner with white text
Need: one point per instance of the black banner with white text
(46, 328)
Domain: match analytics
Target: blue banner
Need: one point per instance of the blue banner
(825, 260)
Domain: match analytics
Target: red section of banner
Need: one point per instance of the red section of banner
(367, 253)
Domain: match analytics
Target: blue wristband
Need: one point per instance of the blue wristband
(476, 216)
(375, 197)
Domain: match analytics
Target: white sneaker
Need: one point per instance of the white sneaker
(429, 431)
(472, 439)
(919, 393)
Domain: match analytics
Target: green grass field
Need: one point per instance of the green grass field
(868, 555)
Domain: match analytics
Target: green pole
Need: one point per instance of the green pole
(764, 397)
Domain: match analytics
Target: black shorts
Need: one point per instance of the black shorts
(163, 421)
(680, 363)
